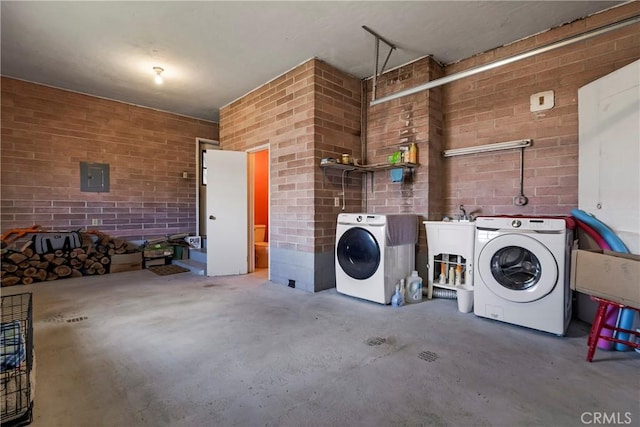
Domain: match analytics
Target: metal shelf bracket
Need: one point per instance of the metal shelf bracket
(377, 73)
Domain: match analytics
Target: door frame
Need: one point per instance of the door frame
(198, 175)
(251, 204)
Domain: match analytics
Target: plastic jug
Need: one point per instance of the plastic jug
(414, 287)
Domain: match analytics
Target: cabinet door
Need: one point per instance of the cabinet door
(609, 152)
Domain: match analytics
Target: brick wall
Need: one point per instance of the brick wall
(310, 112)
(415, 118)
(47, 132)
(493, 106)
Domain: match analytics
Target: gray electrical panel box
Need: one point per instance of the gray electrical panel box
(94, 177)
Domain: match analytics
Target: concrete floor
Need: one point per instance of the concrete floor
(186, 350)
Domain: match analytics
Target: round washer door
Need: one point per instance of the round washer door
(358, 253)
(517, 267)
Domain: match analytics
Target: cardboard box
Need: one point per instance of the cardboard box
(609, 275)
(126, 262)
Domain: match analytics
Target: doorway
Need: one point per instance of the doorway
(259, 209)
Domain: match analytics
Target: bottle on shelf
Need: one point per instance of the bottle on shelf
(458, 279)
(413, 153)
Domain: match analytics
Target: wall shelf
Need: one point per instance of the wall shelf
(368, 168)
(346, 169)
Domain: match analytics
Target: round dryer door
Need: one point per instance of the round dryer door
(517, 267)
(358, 253)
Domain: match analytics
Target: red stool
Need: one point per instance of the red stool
(599, 324)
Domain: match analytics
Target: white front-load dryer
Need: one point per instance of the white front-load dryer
(367, 265)
(522, 272)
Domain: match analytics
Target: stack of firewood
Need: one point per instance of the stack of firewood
(22, 265)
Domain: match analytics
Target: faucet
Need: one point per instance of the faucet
(464, 216)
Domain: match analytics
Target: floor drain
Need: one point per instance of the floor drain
(429, 356)
(376, 341)
(77, 319)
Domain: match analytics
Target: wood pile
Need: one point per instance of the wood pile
(22, 265)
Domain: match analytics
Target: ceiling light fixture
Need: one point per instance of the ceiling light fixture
(158, 77)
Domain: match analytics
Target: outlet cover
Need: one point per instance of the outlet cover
(542, 101)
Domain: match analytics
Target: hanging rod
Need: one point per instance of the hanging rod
(470, 72)
(487, 148)
(392, 47)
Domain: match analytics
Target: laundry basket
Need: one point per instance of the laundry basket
(17, 373)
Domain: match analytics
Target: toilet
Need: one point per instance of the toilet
(261, 247)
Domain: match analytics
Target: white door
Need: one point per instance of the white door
(227, 221)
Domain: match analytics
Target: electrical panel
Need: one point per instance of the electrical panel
(94, 177)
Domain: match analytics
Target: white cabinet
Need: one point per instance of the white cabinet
(609, 152)
(450, 248)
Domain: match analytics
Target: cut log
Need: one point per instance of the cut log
(10, 280)
(105, 260)
(17, 257)
(49, 257)
(24, 265)
(59, 261)
(82, 257)
(111, 252)
(122, 250)
(62, 270)
(76, 263)
(51, 276)
(101, 270)
(42, 264)
(76, 273)
(9, 267)
(30, 272)
(96, 265)
(27, 251)
(58, 253)
(34, 256)
(42, 275)
(27, 280)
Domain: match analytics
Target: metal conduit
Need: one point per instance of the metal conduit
(470, 72)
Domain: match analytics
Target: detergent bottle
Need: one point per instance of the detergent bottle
(414, 287)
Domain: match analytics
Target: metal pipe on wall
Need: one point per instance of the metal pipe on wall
(472, 71)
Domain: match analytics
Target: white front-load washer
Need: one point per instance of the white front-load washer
(522, 272)
(368, 262)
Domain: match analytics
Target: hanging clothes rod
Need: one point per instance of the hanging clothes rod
(470, 72)
(487, 148)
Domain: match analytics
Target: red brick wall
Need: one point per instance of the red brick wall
(312, 111)
(337, 131)
(47, 132)
(308, 113)
(415, 118)
(493, 106)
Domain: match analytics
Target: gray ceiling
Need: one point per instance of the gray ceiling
(215, 52)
